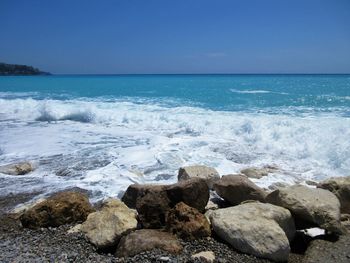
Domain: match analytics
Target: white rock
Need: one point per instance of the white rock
(104, 228)
(263, 230)
(205, 256)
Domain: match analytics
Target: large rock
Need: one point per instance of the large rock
(340, 186)
(147, 239)
(137, 191)
(255, 228)
(153, 208)
(154, 201)
(193, 192)
(310, 207)
(238, 188)
(62, 208)
(17, 168)
(104, 228)
(187, 222)
(209, 174)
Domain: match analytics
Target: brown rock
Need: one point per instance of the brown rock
(238, 188)
(152, 208)
(154, 201)
(193, 192)
(187, 222)
(136, 191)
(145, 240)
(59, 209)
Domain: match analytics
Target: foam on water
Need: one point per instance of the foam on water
(105, 145)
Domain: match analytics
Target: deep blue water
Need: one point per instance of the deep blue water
(217, 92)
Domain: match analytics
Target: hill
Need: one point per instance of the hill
(19, 70)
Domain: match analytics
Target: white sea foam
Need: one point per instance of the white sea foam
(256, 92)
(105, 146)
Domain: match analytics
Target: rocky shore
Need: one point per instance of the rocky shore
(204, 217)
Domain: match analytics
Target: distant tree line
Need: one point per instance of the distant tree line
(18, 70)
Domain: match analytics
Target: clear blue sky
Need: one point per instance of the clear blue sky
(177, 36)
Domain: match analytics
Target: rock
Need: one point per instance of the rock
(147, 239)
(311, 183)
(277, 185)
(17, 168)
(340, 186)
(136, 191)
(74, 229)
(187, 222)
(320, 251)
(257, 173)
(152, 208)
(193, 192)
(345, 221)
(18, 211)
(205, 256)
(154, 201)
(309, 206)
(104, 228)
(238, 188)
(255, 228)
(59, 209)
(209, 174)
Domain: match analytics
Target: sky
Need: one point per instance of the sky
(177, 36)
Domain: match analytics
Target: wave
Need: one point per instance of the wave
(136, 142)
(249, 91)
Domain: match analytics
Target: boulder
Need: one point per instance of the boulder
(204, 256)
(340, 186)
(153, 202)
(257, 173)
(17, 168)
(145, 240)
(152, 209)
(309, 206)
(187, 222)
(62, 208)
(104, 228)
(136, 191)
(238, 188)
(193, 192)
(209, 174)
(255, 228)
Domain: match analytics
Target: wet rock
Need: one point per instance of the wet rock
(204, 256)
(145, 240)
(255, 228)
(309, 206)
(209, 174)
(340, 186)
(104, 228)
(238, 188)
(187, 222)
(17, 168)
(257, 173)
(59, 209)
(277, 185)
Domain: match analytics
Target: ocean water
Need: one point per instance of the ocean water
(102, 133)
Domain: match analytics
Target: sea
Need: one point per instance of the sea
(104, 132)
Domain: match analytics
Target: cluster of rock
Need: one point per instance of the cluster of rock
(256, 222)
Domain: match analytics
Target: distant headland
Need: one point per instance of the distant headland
(19, 70)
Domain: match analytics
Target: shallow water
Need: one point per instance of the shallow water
(103, 133)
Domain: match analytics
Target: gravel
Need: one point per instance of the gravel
(19, 244)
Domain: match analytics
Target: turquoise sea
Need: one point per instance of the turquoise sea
(104, 132)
